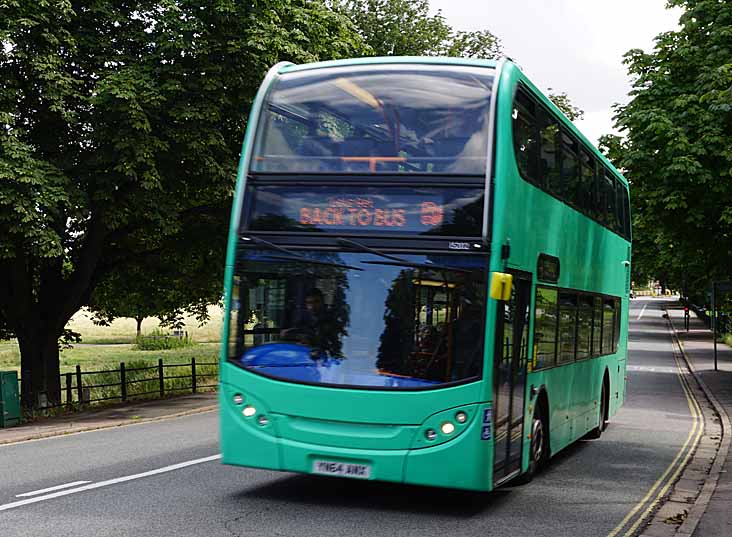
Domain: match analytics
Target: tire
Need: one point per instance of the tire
(596, 433)
(539, 448)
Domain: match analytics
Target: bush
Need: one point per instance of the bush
(159, 341)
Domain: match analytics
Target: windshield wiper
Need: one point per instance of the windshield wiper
(394, 260)
(295, 256)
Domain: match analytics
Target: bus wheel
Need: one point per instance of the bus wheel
(539, 447)
(602, 415)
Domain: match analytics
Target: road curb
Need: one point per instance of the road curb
(109, 425)
(701, 503)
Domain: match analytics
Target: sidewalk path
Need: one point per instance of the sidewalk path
(699, 348)
(112, 416)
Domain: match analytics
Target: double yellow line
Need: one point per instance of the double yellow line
(659, 489)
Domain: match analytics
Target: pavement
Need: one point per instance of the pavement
(698, 347)
(110, 416)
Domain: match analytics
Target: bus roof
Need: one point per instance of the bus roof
(377, 60)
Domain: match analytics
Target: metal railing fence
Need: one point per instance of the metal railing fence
(125, 383)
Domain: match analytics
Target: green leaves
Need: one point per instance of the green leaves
(120, 129)
(406, 28)
(563, 102)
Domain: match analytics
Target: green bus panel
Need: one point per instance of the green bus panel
(379, 429)
(530, 222)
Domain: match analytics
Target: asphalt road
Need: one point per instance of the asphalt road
(587, 490)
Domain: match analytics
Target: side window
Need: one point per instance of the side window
(599, 197)
(545, 327)
(584, 327)
(552, 159)
(626, 211)
(597, 326)
(619, 209)
(611, 196)
(570, 174)
(608, 325)
(618, 311)
(601, 202)
(567, 327)
(525, 137)
(588, 187)
(549, 170)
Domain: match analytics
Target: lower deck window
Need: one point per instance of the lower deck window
(545, 327)
(573, 325)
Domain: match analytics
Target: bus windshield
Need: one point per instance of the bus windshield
(360, 319)
(425, 119)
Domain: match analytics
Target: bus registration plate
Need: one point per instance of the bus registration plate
(358, 471)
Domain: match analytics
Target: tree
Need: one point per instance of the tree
(177, 277)
(406, 28)
(677, 151)
(649, 263)
(562, 101)
(121, 125)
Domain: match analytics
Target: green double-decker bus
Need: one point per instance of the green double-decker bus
(427, 276)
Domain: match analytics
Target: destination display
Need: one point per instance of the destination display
(437, 211)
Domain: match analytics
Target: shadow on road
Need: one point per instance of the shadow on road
(379, 496)
(382, 496)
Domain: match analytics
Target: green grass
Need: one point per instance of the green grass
(159, 340)
(98, 357)
(104, 347)
(124, 330)
(9, 356)
(143, 382)
(727, 339)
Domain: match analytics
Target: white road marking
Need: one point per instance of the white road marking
(51, 489)
(642, 311)
(651, 369)
(114, 481)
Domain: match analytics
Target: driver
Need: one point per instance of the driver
(314, 325)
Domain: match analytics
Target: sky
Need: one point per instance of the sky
(572, 46)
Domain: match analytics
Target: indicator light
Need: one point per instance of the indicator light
(447, 428)
(430, 434)
(249, 411)
(461, 417)
(238, 399)
(263, 420)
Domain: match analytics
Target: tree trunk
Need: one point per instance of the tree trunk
(40, 371)
(139, 325)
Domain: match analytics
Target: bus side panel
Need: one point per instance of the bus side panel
(592, 259)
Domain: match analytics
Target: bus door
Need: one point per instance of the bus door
(509, 377)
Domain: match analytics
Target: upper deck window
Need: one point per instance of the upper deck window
(424, 119)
